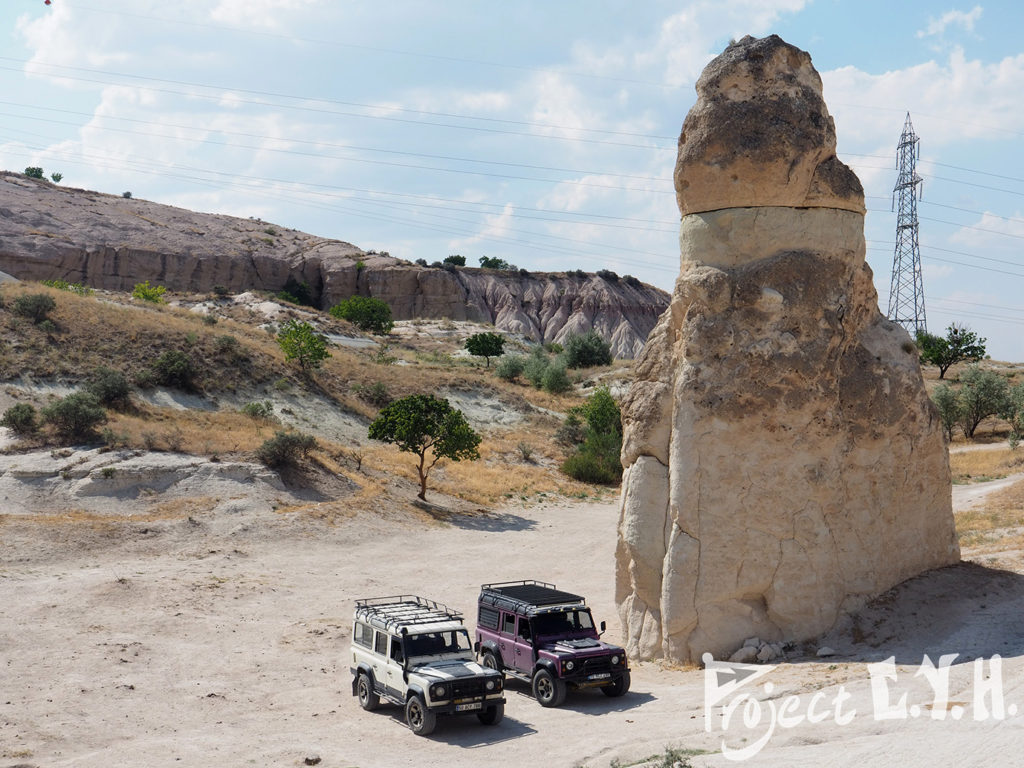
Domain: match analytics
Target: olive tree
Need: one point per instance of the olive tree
(424, 424)
(959, 344)
(485, 345)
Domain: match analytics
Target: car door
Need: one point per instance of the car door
(523, 646)
(394, 678)
(506, 639)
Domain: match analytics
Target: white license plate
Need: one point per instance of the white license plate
(468, 707)
(600, 676)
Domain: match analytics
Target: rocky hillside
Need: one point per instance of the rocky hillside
(111, 242)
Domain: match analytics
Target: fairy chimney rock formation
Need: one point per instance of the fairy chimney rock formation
(783, 461)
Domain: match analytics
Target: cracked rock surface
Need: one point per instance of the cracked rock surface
(783, 463)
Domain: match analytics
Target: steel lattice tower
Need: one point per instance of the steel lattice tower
(906, 292)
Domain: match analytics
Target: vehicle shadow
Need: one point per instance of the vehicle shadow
(486, 520)
(589, 701)
(467, 732)
(967, 609)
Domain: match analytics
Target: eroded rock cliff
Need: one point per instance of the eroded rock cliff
(783, 461)
(111, 242)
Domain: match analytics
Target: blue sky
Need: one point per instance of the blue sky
(542, 133)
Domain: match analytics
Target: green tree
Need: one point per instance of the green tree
(587, 350)
(983, 393)
(300, 341)
(486, 345)
(493, 262)
(948, 404)
(596, 458)
(76, 416)
(458, 261)
(1013, 411)
(34, 172)
(424, 424)
(555, 380)
(960, 344)
(366, 313)
(147, 292)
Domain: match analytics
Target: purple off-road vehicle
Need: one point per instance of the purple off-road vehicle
(537, 633)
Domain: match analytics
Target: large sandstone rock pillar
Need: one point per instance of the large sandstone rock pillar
(783, 461)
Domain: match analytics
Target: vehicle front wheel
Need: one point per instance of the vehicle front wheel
(548, 689)
(368, 700)
(420, 719)
(489, 660)
(618, 688)
(492, 715)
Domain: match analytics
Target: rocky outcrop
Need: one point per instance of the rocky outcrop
(110, 242)
(783, 461)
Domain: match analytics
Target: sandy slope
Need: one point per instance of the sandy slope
(222, 644)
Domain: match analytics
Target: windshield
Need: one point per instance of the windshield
(437, 643)
(563, 622)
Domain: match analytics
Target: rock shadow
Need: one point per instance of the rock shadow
(967, 609)
(478, 519)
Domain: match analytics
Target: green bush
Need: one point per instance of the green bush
(174, 369)
(493, 262)
(21, 419)
(597, 461)
(510, 367)
(535, 366)
(300, 341)
(587, 350)
(226, 343)
(147, 292)
(555, 380)
(572, 432)
(259, 411)
(109, 387)
(598, 440)
(366, 313)
(64, 285)
(76, 416)
(376, 394)
(285, 449)
(56, 177)
(296, 292)
(34, 172)
(35, 306)
(126, 195)
(458, 261)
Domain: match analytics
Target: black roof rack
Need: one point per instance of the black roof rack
(527, 595)
(405, 610)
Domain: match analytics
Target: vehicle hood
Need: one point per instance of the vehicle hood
(449, 670)
(585, 646)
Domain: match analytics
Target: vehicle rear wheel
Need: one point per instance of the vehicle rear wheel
(492, 715)
(548, 689)
(489, 660)
(618, 688)
(420, 719)
(368, 700)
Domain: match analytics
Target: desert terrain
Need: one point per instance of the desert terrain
(221, 638)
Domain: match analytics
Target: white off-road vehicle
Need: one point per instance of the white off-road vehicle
(416, 653)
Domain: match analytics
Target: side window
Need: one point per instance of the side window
(396, 650)
(363, 635)
(487, 617)
(524, 629)
(381, 646)
(508, 623)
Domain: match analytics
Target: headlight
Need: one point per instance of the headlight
(615, 660)
(490, 685)
(569, 665)
(439, 692)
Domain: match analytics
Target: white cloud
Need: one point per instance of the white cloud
(956, 18)
(254, 14)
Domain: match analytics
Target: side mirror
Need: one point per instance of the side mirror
(476, 647)
(604, 627)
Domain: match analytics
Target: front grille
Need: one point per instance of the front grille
(468, 688)
(597, 664)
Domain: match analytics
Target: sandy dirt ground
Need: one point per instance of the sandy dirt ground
(206, 641)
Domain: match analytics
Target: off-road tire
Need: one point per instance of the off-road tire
(420, 719)
(489, 660)
(492, 715)
(548, 689)
(618, 688)
(368, 700)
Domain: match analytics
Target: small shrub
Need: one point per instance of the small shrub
(421, 262)
(360, 265)
(76, 416)
(174, 369)
(109, 387)
(225, 343)
(510, 367)
(64, 285)
(147, 292)
(285, 449)
(209, 319)
(34, 172)
(607, 274)
(554, 348)
(259, 411)
(577, 273)
(221, 291)
(366, 313)
(631, 281)
(596, 461)
(555, 380)
(296, 292)
(536, 364)
(48, 326)
(456, 259)
(271, 231)
(35, 306)
(376, 394)
(56, 177)
(525, 452)
(383, 355)
(126, 195)
(572, 432)
(112, 439)
(191, 338)
(21, 419)
(449, 267)
(587, 350)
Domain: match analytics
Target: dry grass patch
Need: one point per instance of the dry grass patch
(979, 466)
(195, 432)
(996, 525)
